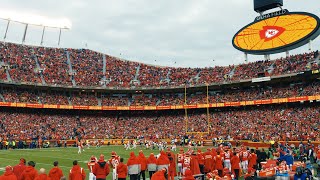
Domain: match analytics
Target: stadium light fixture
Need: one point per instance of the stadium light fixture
(34, 20)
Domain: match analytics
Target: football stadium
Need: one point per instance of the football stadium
(238, 98)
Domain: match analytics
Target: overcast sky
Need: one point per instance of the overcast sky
(180, 33)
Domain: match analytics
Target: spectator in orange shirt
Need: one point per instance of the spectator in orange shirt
(77, 172)
(122, 170)
(55, 173)
(235, 165)
(8, 174)
(19, 168)
(30, 172)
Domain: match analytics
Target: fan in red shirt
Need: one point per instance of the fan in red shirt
(188, 175)
(55, 173)
(19, 168)
(219, 163)
(252, 159)
(42, 175)
(122, 170)
(235, 165)
(8, 174)
(201, 161)
(163, 161)
(194, 164)
(101, 169)
(172, 168)
(143, 162)
(208, 161)
(160, 175)
(77, 172)
(30, 172)
(151, 164)
(133, 166)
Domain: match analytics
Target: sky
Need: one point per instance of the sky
(178, 33)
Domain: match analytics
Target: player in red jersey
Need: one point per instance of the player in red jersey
(91, 164)
(186, 163)
(180, 157)
(227, 157)
(244, 156)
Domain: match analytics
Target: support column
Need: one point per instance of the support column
(43, 30)
(24, 34)
(246, 57)
(59, 36)
(5, 34)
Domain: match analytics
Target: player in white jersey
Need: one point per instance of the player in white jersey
(114, 162)
(128, 146)
(134, 144)
(227, 158)
(174, 147)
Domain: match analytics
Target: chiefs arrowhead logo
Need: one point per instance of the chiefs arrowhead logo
(270, 32)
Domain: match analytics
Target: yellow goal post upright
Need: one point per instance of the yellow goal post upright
(186, 112)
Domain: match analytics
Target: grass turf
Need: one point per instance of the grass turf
(44, 158)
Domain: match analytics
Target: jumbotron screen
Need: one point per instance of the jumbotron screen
(277, 34)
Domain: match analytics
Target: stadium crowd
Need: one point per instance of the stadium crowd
(253, 123)
(88, 68)
(160, 99)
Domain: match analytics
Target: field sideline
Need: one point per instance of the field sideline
(44, 158)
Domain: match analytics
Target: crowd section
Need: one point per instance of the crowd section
(161, 99)
(298, 122)
(143, 100)
(119, 73)
(257, 93)
(84, 99)
(53, 62)
(87, 67)
(153, 76)
(20, 62)
(109, 100)
(215, 74)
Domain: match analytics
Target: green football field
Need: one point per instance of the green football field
(44, 158)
